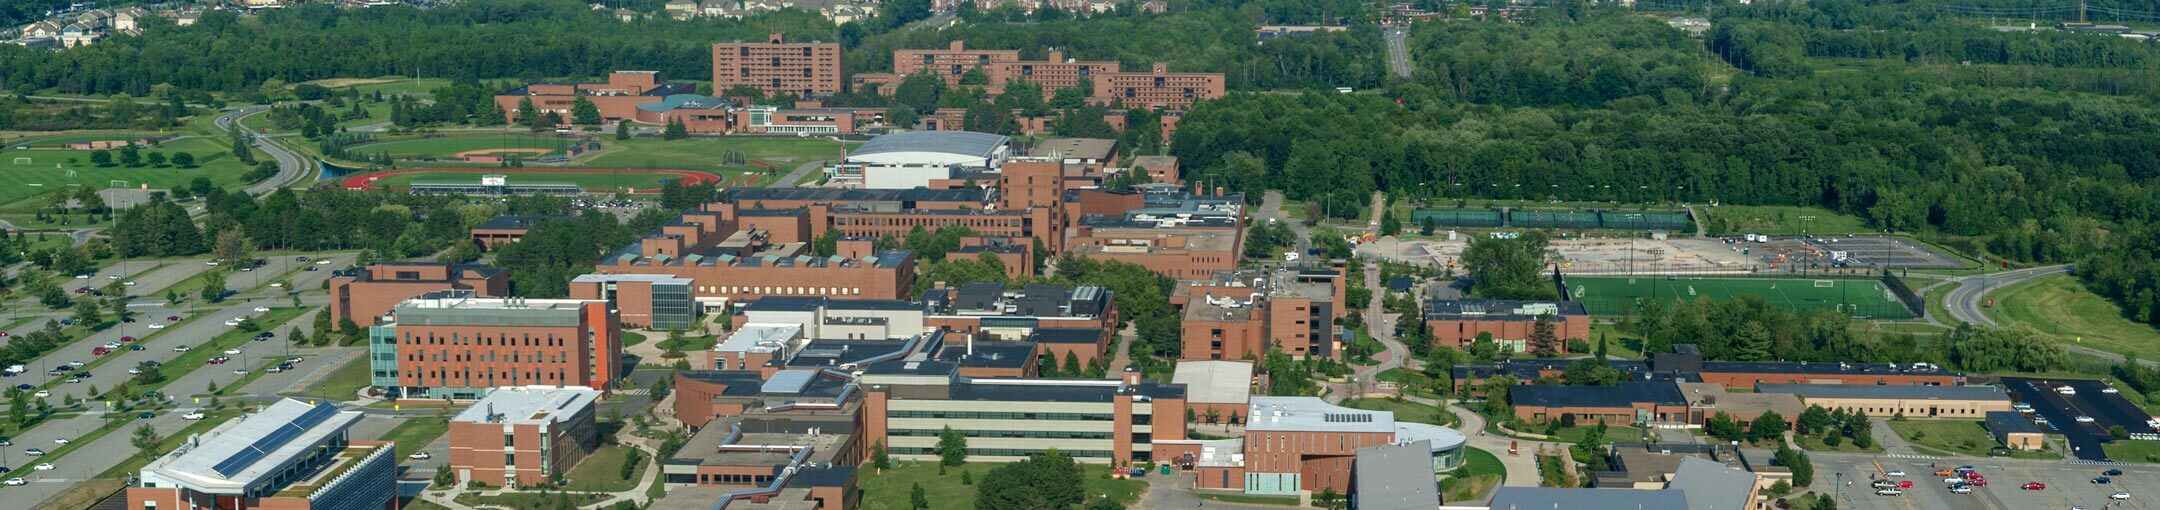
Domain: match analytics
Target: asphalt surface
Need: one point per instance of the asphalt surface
(1398, 52)
(1964, 302)
(2068, 485)
(290, 166)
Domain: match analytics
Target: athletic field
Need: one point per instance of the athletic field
(453, 147)
(1610, 295)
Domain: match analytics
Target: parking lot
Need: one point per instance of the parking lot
(2062, 412)
(1888, 252)
(2068, 485)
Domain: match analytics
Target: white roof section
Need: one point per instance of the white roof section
(1310, 414)
(241, 453)
(931, 148)
(528, 405)
(654, 278)
(1440, 438)
(760, 337)
(1215, 382)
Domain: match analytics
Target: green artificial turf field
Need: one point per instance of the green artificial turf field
(1609, 295)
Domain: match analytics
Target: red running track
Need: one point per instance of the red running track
(367, 180)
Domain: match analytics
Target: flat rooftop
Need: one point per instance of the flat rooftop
(1487, 309)
(649, 278)
(1310, 414)
(760, 337)
(241, 453)
(1074, 148)
(1625, 394)
(1982, 393)
(528, 405)
(1215, 382)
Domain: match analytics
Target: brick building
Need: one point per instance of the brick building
(1628, 403)
(291, 455)
(1118, 422)
(1305, 445)
(1235, 314)
(617, 99)
(364, 294)
(727, 258)
(653, 301)
(502, 230)
(1954, 402)
(1158, 88)
(1155, 88)
(1178, 234)
(523, 436)
(1742, 375)
(1458, 322)
(453, 344)
(776, 66)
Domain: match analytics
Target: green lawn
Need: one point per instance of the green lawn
(1479, 474)
(1609, 295)
(602, 471)
(388, 85)
(416, 432)
(2133, 451)
(1413, 380)
(1612, 433)
(587, 180)
(1618, 344)
(889, 490)
(1815, 444)
(1955, 437)
(2061, 306)
(48, 170)
(1248, 499)
(59, 139)
(378, 113)
(1779, 220)
(447, 147)
(689, 343)
(344, 383)
(532, 499)
(630, 338)
(1404, 411)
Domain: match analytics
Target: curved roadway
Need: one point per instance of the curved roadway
(1964, 302)
(290, 166)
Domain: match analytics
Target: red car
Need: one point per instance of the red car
(127, 339)
(172, 317)
(1904, 484)
(2035, 486)
(100, 351)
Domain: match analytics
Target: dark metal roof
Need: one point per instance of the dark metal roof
(1495, 309)
(1067, 335)
(519, 222)
(842, 196)
(1625, 394)
(2010, 422)
(968, 143)
(1887, 392)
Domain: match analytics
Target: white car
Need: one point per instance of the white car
(261, 309)
(210, 263)
(2119, 495)
(129, 283)
(134, 371)
(34, 452)
(17, 481)
(180, 348)
(1953, 480)
(157, 325)
(1893, 491)
(1894, 473)
(232, 322)
(47, 466)
(43, 393)
(62, 440)
(323, 262)
(241, 371)
(274, 369)
(76, 363)
(84, 276)
(193, 415)
(2084, 419)
(2110, 391)
(420, 456)
(232, 352)
(1961, 489)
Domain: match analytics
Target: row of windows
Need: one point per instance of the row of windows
(513, 357)
(1008, 452)
(1037, 434)
(935, 221)
(745, 73)
(799, 291)
(526, 341)
(467, 375)
(1001, 415)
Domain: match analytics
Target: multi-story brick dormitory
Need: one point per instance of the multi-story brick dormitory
(364, 294)
(1178, 234)
(727, 258)
(776, 66)
(455, 345)
(1239, 314)
(1155, 88)
(1459, 322)
(617, 99)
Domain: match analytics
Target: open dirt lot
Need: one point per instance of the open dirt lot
(1590, 255)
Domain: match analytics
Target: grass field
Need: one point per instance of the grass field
(1779, 220)
(2060, 306)
(1956, 437)
(344, 383)
(529, 175)
(416, 432)
(48, 170)
(602, 471)
(889, 490)
(449, 146)
(1480, 473)
(1404, 411)
(56, 140)
(378, 113)
(1863, 298)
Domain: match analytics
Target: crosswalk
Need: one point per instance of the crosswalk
(634, 391)
(1911, 456)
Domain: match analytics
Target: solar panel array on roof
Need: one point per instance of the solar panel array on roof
(240, 460)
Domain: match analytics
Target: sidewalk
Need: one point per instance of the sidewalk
(447, 497)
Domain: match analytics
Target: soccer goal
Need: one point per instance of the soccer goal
(1824, 284)
(116, 183)
(22, 161)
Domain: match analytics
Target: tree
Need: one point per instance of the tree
(879, 458)
(1814, 419)
(87, 312)
(1543, 342)
(1769, 426)
(101, 158)
(1803, 470)
(918, 500)
(583, 112)
(19, 408)
(183, 160)
(156, 159)
(1329, 499)
(146, 441)
(1049, 480)
(951, 447)
(622, 129)
(675, 130)
(130, 156)
(1508, 268)
(1723, 427)
(213, 286)
(528, 114)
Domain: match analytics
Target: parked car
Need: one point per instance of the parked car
(1961, 489)
(17, 481)
(192, 415)
(2103, 480)
(420, 456)
(2112, 472)
(1889, 492)
(2034, 486)
(1896, 473)
(47, 466)
(127, 339)
(2119, 495)
(180, 348)
(34, 452)
(261, 309)
(157, 325)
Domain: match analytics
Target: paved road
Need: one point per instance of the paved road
(1398, 51)
(788, 181)
(290, 166)
(1271, 209)
(1964, 302)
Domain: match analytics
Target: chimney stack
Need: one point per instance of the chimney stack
(1132, 376)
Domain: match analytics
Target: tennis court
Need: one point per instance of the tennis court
(1610, 295)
